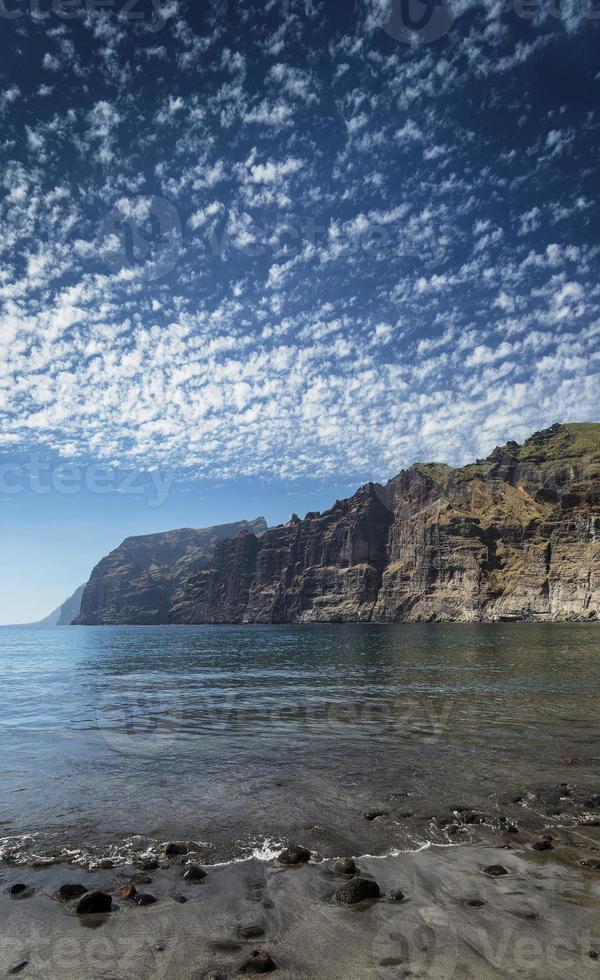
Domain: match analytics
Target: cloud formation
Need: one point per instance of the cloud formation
(276, 241)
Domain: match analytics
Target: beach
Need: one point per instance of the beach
(540, 919)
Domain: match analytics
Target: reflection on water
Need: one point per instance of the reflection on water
(229, 735)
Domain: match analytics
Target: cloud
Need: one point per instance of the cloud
(231, 250)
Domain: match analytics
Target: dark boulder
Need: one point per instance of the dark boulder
(371, 815)
(194, 872)
(543, 845)
(144, 899)
(94, 903)
(345, 866)
(295, 854)
(18, 889)
(495, 870)
(357, 890)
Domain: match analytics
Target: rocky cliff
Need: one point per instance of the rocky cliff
(65, 613)
(515, 536)
(135, 584)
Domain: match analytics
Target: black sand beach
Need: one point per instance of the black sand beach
(539, 919)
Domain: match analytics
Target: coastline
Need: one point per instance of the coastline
(540, 919)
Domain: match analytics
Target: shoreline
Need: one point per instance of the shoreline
(400, 823)
(539, 919)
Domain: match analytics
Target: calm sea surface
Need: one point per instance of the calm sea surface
(115, 739)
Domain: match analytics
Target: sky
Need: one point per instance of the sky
(254, 255)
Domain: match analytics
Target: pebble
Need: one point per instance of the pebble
(126, 891)
(251, 932)
(18, 967)
(396, 895)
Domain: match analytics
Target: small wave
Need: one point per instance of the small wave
(265, 851)
(28, 849)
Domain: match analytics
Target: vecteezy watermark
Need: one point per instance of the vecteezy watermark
(142, 234)
(423, 943)
(290, 240)
(42, 477)
(154, 14)
(426, 21)
(419, 21)
(141, 715)
(537, 9)
(427, 940)
(88, 947)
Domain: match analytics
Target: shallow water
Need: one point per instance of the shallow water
(113, 739)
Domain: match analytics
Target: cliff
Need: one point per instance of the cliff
(515, 536)
(135, 584)
(65, 613)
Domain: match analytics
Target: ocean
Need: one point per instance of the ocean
(239, 740)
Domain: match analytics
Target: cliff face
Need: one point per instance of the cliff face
(136, 583)
(327, 567)
(515, 536)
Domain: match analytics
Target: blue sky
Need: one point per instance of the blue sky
(258, 254)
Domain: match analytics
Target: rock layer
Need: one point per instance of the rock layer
(513, 537)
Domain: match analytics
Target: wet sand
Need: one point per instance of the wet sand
(542, 919)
